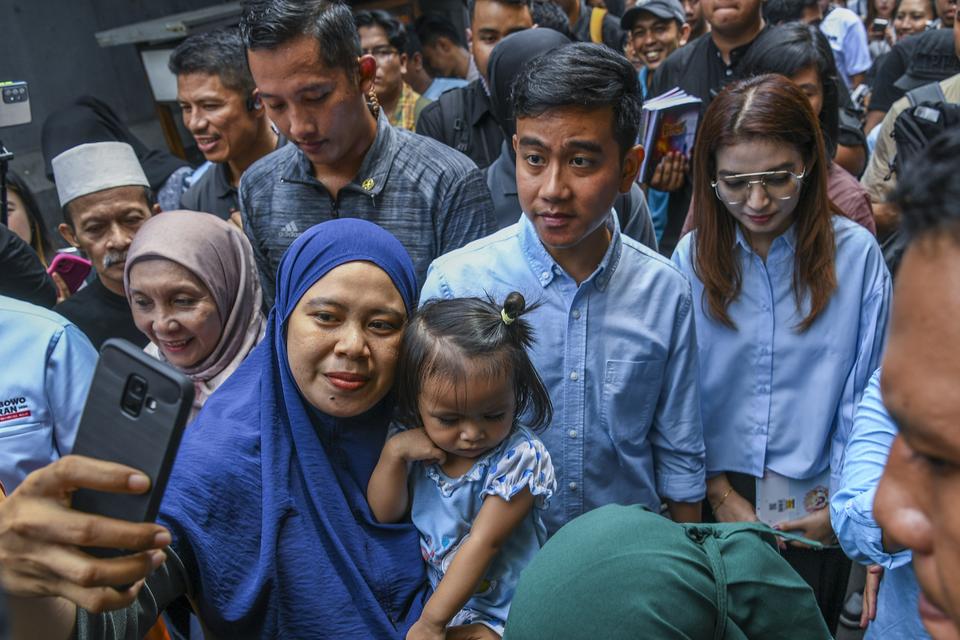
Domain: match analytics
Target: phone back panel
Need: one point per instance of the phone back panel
(111, 429)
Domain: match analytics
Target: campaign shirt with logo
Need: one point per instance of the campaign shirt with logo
(46, 365)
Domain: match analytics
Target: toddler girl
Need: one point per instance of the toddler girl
(473, 479)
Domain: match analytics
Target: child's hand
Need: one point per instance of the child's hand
(423, 630)
(413, 445)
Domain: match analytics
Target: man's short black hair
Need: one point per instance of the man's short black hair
(267, 24)
(784, 11)
(548, 14)
(216, 53)
(413, 41)
(582, 75)
(432, 26)
(396, 34)
(928, 194)
(472, 4)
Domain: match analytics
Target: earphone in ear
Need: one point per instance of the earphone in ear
(368, 66)
(253, 103)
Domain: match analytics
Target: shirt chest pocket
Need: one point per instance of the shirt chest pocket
(630, 393)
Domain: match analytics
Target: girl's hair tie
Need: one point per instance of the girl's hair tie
(507, 320)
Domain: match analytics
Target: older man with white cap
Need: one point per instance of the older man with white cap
(105, 198)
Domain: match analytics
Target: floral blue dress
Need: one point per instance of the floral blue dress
(444, 508)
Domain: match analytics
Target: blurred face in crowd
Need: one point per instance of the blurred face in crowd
(916, 501)
(656, 38)
(18, 220)
(320, 109)
(732, 16)
(391, 63)
(764, 213)
(492, 22)
(569, 171)
(884, 8)
(947, 10)
(912, 17)
(809, 82)
(343, 338)
(175, 310)
(440, 58)
(103, 226)
(218, 118)
(694, 13)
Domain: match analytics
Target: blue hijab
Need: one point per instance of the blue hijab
(267, 498)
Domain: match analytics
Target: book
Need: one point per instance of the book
(669, 123)
(780, 498)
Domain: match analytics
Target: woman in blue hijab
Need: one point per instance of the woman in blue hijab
(271, 532)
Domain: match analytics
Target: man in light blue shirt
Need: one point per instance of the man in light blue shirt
(851, 513)
(47, 367)
(614, 326)
(848, 39)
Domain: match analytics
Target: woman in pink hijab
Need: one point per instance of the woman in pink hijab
(192, 284)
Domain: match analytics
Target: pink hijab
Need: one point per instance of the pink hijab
(219, 255)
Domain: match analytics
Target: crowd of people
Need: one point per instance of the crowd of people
(437, 318)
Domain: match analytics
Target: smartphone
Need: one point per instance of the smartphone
(879, 25)
(135, 414)
(73, 269)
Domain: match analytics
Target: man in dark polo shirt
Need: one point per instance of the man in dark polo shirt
(230, 126)
(343, 159)
(702, 68)
(463, 118)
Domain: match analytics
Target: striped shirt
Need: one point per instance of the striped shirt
(432, 198)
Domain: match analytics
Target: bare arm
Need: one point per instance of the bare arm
(387, 491)
(684, 511)
(492, 528)
(727, 504)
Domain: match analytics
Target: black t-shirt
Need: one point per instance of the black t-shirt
(699, 69)
(22, 275)
(101, 314)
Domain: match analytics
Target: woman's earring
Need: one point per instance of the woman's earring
(373, 103)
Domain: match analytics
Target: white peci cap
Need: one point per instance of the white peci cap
(89, 168)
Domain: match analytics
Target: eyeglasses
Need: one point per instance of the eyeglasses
(779, 185)
(380, 53)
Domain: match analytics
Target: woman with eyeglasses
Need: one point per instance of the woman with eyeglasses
(791, 302)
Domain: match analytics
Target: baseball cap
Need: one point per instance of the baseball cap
(933, 59)
(666, 9)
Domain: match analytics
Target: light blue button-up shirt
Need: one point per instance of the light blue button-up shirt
(46, 365)
(851, 513)
(618, 355)
(775, 398)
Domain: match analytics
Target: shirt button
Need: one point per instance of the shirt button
(573, 486)
(573, 433)
(574, 376)
(545, 275)
(576, 314)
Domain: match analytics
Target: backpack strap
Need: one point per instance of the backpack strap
(456, 129)
(596, 25)
(927, 93)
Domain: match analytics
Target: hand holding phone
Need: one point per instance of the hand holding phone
(135, 415)
(73, 269)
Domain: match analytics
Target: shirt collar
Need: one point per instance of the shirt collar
(787, 240)
(735, 54)
(222, 186)
(371, 177)
(545, 268)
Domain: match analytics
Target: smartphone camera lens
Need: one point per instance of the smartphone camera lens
(134, 395)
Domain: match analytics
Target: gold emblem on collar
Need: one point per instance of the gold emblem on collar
(368, 184)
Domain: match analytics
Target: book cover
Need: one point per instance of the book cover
(669, 124)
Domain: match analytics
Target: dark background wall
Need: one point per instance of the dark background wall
(50, 44)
